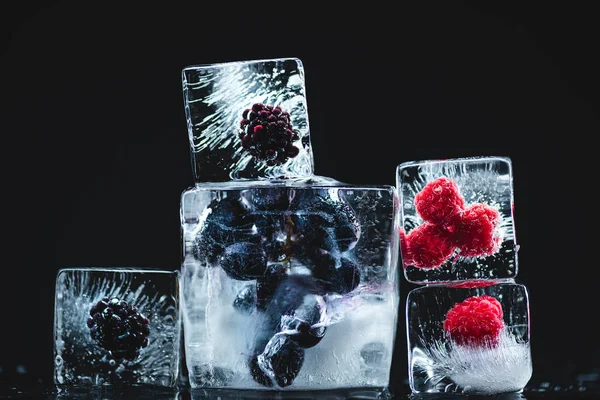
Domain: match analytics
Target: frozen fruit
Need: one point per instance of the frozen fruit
(282, 360)
(477, 233)
(439, 201)
(267, 284)
(346, 229)
(428, 246)
(119, 328)
(476, 321)
(340, 279)
(244, 261)
(472, 283)
(227, 222)
(305, 325)
(245, 300)
(267, 134)
(405, 255)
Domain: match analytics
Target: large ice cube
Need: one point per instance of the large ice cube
(471, 337)
(289, 287)
(116, 326)
(248, 120)
(457, 219)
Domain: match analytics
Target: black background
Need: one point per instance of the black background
(95, 150)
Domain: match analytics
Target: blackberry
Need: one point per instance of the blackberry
(119, 328)
(228, 222)
(267, 134)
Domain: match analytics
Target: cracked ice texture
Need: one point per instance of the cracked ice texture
(437, 364)
(216, 95)
(80, 361)
(480, 180)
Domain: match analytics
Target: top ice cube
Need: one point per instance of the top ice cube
(457, 219)
(248, 120)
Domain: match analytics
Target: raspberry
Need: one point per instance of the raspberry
(439, 201)
(119, 328)
(476, 233)
(267, 134)
(406, 258)
(476, 322)
(428, 246)
(472, 283)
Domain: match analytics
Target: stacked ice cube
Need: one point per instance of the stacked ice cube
(468, 321)
(289, 278)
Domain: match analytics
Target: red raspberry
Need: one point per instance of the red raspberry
(476, 233)
(472, 283)
(428, 246)
(477, 321)
(439, 201)
(406, 258)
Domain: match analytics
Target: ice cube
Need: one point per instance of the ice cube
(457, 219)
(471, 337)
(330, 291)
(116, 326)
(248, 120)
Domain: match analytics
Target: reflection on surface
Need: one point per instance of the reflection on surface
(333, 394)
(449, 396)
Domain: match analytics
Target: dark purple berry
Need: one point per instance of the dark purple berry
(267, 284)
(245, 301)
(267, 134)
(341, 279)
(244, 261)
(257, 374)
(307, 322)
(228, 222)
(282, 357)
(119, 328)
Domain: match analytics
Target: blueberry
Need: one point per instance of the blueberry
(303, 321)
(340, 279)
(228, 222)
(268, 199)
(373, 353)
(257, 374)
(282, 357)
(244, 261)
(245, 301)
(267, 284)
(347, 228)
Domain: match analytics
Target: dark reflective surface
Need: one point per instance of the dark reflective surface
(50, 392)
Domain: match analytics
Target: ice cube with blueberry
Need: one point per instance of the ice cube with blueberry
(457, 220)
(116, 326)
(295, 290)
(470, 337)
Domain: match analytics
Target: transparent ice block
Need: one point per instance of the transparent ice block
(289, 278)
(100, 313)
(216, 97)
(246, 276)
(471, 337)
(457, 220)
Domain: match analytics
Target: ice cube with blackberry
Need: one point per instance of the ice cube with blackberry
(115, 326)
